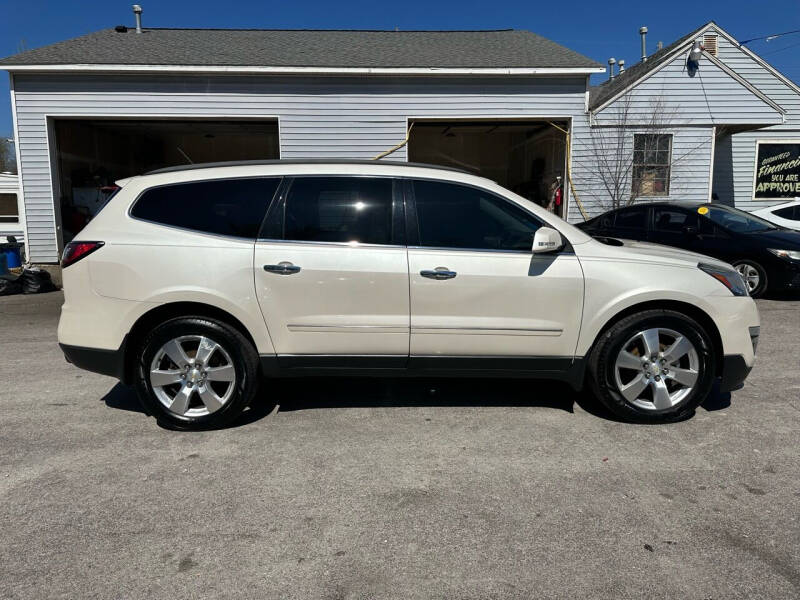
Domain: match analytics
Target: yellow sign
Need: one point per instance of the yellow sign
(703, 210)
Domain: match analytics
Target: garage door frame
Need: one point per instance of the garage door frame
(52, 146)
(460, 117)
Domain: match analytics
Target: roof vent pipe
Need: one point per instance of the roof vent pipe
(621, 64)
(137, 12)
(643, 33)
(611, 63)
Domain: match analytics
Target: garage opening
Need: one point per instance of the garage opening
(525, 156)
(91, 154)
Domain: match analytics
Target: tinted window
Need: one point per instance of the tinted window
(339, 209)
(232, 207)
(735, 220)
(456, 216)
(672, 220)
(632, 218)
(9, 210)
(788, 212)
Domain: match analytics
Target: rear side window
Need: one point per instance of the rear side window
(339, 209)
(632, 218)
(788, 212)
(672, 220)
(232, 207)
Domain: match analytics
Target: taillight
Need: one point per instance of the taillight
(74, 251)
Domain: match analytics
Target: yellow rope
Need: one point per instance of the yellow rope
(397, 147)
(569, 171)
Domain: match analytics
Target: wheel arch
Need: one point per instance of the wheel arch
(167, 312)
(689, 310)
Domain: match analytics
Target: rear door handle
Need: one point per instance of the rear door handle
(282, 268)
(438, 273)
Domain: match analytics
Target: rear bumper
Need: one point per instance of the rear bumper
(105, 362)
(734, 372)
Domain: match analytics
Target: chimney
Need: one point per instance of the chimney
(137, 12)
(643, 33)
(621, 64)
(611, 63)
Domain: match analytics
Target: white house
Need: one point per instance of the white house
(508, 104)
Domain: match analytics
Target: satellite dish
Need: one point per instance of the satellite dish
(693, 60)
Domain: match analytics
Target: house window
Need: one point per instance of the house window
(9, 209)
(652, 156)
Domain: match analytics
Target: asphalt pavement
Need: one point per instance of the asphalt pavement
(394, 489)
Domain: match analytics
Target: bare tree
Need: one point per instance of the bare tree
(627, 132)
(8, 158)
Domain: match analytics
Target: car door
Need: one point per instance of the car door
(479, 297)
(331, 272)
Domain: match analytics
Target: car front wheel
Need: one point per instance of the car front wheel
(754, 275)
(196, 373)
(653, 366)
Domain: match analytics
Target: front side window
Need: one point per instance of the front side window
(652, 157)
(231, 207)
(9, 208)
(459, 216)
(339, 209)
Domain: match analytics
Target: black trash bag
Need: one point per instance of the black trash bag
(9, 287)
(36, 281)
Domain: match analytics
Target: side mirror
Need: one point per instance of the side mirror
(547, 240)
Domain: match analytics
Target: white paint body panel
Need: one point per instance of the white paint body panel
(769, 215)
(499, 304)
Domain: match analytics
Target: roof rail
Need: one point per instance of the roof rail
(300, 161)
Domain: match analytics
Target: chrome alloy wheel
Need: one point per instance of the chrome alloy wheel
(656, 369)
(750, 275)
(192, 376)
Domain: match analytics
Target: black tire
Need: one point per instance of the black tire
(762, 277)
(602, 365)
(238, 349)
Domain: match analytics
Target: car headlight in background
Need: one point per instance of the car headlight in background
(727, 277)
(787, 254)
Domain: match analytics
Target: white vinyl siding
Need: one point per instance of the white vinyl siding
(322, 118)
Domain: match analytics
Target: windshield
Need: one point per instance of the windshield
(734, 219)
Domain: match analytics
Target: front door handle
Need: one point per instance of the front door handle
(282, 268)
(438, 273)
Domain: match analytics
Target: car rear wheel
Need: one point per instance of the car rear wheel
(654, 366)
(755, 278)
(196, 373)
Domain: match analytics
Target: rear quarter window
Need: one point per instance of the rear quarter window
(230, 207)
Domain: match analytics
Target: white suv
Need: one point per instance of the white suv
(197, 284)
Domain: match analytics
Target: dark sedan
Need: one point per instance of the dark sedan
(766, 255)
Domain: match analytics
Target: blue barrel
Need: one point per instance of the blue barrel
(13, 254)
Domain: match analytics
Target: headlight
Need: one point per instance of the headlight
(787, 254)
(727, 277)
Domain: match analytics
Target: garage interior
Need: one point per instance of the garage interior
(525, 156)
(91, 154)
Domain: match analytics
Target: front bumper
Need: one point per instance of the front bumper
(734, 372)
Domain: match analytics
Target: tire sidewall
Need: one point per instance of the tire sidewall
(219, 333)
(618, 335)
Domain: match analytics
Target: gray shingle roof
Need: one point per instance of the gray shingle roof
(308, 48)
(608, 89)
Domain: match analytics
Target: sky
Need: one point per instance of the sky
(597, 29)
